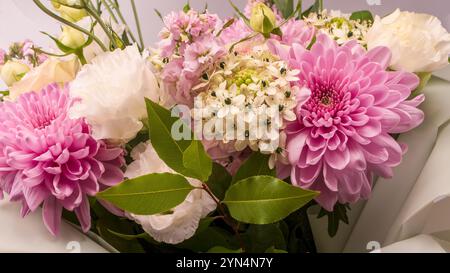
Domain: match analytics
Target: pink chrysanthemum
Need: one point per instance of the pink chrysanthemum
(342, 135)
(47, 158)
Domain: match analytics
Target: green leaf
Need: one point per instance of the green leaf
(60, 45)
(339, 214)
(209, 238)
(126, 237)
(362, 16)
(196, 159)
(226, 25)
(277, 31)
(160, 124)
(187, 7)
(285, 6)
(314, 8)
(256, 164)
(150, 194)
(219, 181)
(221, 249)
(258, 238)
(275, 251)
(204, 224)
(158, 13)
(239, 12)
(265, 200)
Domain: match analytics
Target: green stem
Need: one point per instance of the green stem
(81, 57)
(70, 24)
(225, 216)
(105, 28)
(320, 5)
(111, 13)
(138, 24)
(122, 19)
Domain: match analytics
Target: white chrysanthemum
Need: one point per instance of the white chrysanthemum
(419, 42)
(182, 222)
(112, 91)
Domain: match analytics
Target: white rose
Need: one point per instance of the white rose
(183, 222)
(419, 42)
(112, 90)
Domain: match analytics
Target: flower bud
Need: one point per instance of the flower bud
(13, 71)
(69, 13)
(263, 19)
(72, 38)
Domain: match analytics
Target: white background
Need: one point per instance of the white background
(20, 19)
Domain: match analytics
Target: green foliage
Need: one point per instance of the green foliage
(362, 16)
(339, 214)
(149, 194)
(257, 164)
(219, 181)
(180, 155)
(264, 200)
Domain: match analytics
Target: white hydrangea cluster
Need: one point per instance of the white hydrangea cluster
(248, 101)
(339, 26)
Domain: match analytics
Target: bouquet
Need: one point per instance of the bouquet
(219, 137)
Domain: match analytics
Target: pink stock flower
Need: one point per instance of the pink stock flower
(296, 31)
(47, 158)
(342, 135)
(180, 76)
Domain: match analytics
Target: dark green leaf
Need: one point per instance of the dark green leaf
(150, 194)
(362, 16)
(196, 159)
(265, 200)
(257, 164)
(259, 238)
(209, 238)
(219, 181)
(221, 249)
(339, 214)
(275, 251)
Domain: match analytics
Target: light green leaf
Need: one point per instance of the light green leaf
(150, 194)
(285, 6)
(196, 159)
(187, 7)
(219, 181)
(264, 200)
(221, 249)
(257, 164)
(363, 16)
(160, 124)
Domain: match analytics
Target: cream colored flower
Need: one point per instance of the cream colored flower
(180, 223)
(419, 42)
(53, 70)
(13, 71)
(112, 90)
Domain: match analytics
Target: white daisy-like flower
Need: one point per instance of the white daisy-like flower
(254, 88)
(339, 26)
(180, 223)
(112, 91)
